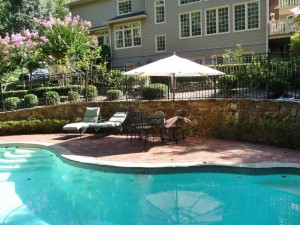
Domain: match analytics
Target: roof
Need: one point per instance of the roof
(129, 16)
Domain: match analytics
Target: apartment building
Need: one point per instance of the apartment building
(142, 31)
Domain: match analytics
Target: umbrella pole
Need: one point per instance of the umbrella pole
(173, 85)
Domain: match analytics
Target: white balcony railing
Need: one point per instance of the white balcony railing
(281, 27)
(284, 3)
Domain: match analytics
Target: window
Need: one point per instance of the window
(128, 35)
(102, 37)
(129, 66)
(124, 7)
(159, 6)
(183, 2)
(246, 16)
(198, 59)
(190, 24)
(217, 21)
(160, 42)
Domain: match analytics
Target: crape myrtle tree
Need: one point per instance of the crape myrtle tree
(16, 15)
(69, 42)
(20, 50)
(55, 40)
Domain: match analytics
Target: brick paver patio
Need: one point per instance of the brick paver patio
(194, 150)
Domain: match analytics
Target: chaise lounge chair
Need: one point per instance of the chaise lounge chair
(90, 117)
(115, 122)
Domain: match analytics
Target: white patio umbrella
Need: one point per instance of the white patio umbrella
(296, 10)
(184, 207)
(174, 66)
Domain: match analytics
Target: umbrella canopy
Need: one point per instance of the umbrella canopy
(174, 66)
(296, 10)
(184, 207)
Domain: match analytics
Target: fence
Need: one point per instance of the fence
(259, 76)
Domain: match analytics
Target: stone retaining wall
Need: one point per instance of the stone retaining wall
(198, 111)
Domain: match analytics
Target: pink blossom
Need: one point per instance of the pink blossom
(17, 40)
(29, 44)
(43, 39)
(36, 20)
(35, 34)
(27, 33)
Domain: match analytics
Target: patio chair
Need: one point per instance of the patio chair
(91, 116)
(138, 127)
(174, 128)
(114, 123)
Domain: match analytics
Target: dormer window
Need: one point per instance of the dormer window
(124, 7)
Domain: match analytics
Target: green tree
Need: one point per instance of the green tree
(295, 44)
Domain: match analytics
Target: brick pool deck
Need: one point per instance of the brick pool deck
(116, 150)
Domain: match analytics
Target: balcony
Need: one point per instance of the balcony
(287, 3)
(282, 27)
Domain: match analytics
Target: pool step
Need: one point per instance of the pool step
(12, 159)
(7, 168)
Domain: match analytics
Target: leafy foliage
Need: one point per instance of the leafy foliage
(281, 133)
(114, 94)
(11, 103)
(73, 96)
(295, 44)
(34, 126)
(154, 91)
(52, 98)
(90, 93)
(16, 15)
(227, 83)
(277, 87)
(31, 100)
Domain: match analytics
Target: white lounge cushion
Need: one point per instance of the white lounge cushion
(76, 126)
(107, 124)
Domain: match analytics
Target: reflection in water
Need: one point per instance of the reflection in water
(44, 190)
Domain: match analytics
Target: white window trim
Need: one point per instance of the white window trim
(98, 34)
(115, 39)
(190, 2)
(190, 12)
(156, 14)
(218, 56)
(216, 8)
(246, 3)
(119, 11)
(160, 35)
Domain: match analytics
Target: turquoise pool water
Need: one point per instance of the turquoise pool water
(37, 187)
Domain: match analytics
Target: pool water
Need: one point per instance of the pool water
(37, 187)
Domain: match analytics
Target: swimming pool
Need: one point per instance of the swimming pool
(37, 187)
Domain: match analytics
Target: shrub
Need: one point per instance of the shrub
(31, 100)
(154, 91)
(114, 94)
(11, 103)
(40, 91)
(19, 93)
(227, 83)
(277, 87)
(52, 98)
(35, 126)
(90, 92)
(73, 96)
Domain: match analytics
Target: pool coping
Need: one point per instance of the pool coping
(68, 155)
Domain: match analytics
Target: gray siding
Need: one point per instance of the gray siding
(98, 12)
(206, 46)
